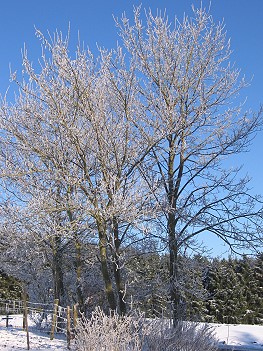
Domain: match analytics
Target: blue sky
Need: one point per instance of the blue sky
(94, 21)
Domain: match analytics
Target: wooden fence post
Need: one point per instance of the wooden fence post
(75, 315)
(68, 327)
(25, 318)
(54, 322)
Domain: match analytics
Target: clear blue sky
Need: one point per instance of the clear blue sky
(94, 20)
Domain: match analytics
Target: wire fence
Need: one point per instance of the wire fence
(11, 307)
(51, 318)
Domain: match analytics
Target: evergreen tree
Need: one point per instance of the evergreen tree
(258, 301)
(10, 289)
(148, 282)
(234, 289)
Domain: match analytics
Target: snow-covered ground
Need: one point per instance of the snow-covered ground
(243, 337)
(13, 338)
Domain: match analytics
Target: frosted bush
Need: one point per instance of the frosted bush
(186, 336)
(135, 333)
(109, 333)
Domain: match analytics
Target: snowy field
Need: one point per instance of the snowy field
(13, 338)
(243, 337)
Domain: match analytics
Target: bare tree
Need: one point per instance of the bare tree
(37, 163)
(70, 137)
(37, 235)
(188, 85)
(134, 144)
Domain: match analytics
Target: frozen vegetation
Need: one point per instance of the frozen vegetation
(14, 338)
(111, 166)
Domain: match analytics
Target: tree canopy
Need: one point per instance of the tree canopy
(128, 150)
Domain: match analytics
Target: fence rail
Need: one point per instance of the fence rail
(11, 307)
(52, 318)
(238, 348)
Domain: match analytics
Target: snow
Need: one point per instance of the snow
(243, 337)
(13, 338)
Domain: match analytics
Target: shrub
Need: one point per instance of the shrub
(185, 336)
(135, 333)
(109, 333)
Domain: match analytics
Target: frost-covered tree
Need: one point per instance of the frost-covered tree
(69, 152)
(131, 148)
(189, 86)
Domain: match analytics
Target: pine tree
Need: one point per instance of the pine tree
(254, 279)
(258, 275)
(10, 288)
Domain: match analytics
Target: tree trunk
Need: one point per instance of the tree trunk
(57, 271)
(117, 271)
(104, 265)
(172, 194)
(173, 268)
(77, 264)
(78, 270)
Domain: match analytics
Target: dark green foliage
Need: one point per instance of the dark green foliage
(148, 283)
(217, 291)
(234, 290)
(10, 289)
(257, 288)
